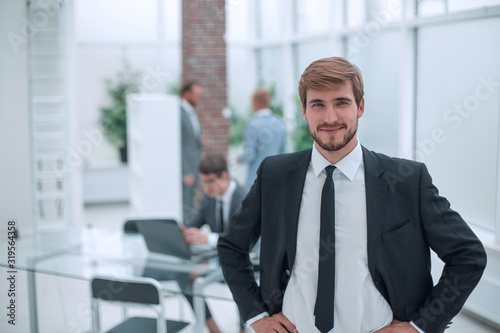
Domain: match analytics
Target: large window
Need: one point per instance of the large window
(311, 16)
(439, 7)
(270, 69)
(379, 62)
(458, 102)
(420, 59)
(270, 19)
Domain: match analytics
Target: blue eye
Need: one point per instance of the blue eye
(316, 105)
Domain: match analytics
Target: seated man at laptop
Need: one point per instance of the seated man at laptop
(222, 198)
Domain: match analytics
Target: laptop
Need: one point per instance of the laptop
(164, 236)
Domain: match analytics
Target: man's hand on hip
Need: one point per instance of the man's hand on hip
(276, 323)
(397, 326)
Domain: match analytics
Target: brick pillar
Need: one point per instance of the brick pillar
(204, 60)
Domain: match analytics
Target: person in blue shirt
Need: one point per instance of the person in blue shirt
(265, 134)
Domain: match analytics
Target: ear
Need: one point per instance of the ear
(361, 108)
(304, 112)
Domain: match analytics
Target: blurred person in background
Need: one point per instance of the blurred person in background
(191, 144)
(265, 134)
(221, 199)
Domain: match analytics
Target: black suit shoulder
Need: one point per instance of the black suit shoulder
(396, 172)
(278, 165)
(388, 162)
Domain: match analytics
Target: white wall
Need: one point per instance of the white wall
(15, 169)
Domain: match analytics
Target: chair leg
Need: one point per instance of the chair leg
(181, 308)
(95, 317)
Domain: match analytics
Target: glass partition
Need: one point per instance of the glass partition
(458, 102)
(311, 16)
(271, 69)
(269, 19)
(379, 62)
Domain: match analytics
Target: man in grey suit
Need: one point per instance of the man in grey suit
(222, 198)
(191, 144)
(346, 233)
(265, 134)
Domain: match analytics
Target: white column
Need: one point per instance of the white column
(15, 166)
(407, 79)
(290, 84)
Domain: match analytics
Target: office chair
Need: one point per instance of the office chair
(130, 227)
(132, 292)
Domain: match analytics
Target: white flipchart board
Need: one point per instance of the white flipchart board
(154, 155)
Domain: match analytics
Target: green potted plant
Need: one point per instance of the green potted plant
(113, 118)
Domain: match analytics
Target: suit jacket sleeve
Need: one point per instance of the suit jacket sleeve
(190, 146)
(461, 251)
(234, 246)
(239, 194)
(199, 218)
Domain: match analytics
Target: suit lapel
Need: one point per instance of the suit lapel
(376, 192)
(295, 184)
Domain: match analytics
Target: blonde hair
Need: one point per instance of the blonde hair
(330, 72)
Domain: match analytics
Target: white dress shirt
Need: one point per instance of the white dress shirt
(213, 237)
(358, 306)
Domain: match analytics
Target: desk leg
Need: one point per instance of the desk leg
(198, 304)
(33, 311)
(31, 261)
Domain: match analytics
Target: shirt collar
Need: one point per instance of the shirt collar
(226, 197)
(348, 165)
(263, 112)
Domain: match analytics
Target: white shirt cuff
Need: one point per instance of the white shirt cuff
(212, 240)
(416, 327)
(257, 317)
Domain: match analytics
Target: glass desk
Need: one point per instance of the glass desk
(81, 253)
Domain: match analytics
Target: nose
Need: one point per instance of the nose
(330, 115)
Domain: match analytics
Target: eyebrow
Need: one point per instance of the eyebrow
(319, 100)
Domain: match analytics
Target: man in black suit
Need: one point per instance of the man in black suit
(222, 198)
(345, 232)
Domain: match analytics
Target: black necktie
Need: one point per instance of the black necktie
(221, 216)
(323, 309)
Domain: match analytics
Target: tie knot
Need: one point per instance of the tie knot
(329, 171)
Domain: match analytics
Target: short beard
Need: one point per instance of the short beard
(331, 146)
